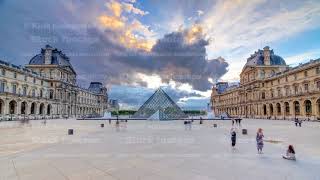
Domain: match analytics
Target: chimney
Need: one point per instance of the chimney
(266, 55)
(48, 54)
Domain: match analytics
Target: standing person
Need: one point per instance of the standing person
(232, 122)
(240, 122)
(296, 121)
(233, 137)
(109, 121)
(300, 122)
(259, 139)
(290, 154)
(117, 125)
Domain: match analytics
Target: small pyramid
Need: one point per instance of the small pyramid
(161, 102)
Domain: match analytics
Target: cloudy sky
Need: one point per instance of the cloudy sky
(184, 46)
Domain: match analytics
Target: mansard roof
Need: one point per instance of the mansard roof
(257, 59)
(57, 58)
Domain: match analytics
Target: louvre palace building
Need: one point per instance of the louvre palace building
(47, 88)
(270, 89)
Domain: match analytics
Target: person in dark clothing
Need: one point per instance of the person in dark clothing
(233, 138)
(300, 122)
(232, 122)
(296, 121)
(240, 121)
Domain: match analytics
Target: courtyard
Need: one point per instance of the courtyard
(156, 150)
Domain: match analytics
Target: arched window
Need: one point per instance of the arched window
(23, 107)
(33, 108)
(41, 108)
(287, 107)
(278, 108)
(12, 107)
(271, 109)
(308, 107)
(49, 109)
(296, 107)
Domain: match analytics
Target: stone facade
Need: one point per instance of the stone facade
(46, 88)
(270, 89)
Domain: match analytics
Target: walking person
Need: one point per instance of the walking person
(240, 122)
(259, 139)
(233, 138)
(300, 122)
(296, 120)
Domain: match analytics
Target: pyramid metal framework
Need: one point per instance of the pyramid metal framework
(161, 102)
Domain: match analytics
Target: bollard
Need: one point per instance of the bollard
(244, 131)
(70, 131)
(102, 125)
(215, 125)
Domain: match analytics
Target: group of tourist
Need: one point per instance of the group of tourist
(237, 120)
(290, 154)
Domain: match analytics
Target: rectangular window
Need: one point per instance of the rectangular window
(305, 73)
(3, 72)
(14, 89)
(318, 84)
(318, 70)
(24, 91)
(25, 78)
(306, 87)
(296, 90)
(15, 75)
(2, 86)
(34, 80)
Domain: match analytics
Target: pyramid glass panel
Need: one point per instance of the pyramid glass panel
(161, 102)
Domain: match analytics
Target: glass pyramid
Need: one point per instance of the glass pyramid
(160, 101)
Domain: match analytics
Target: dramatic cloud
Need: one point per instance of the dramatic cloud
(133, 43)
(178, 56)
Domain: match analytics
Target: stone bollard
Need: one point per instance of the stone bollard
(244, 131)
(215, 125)
(102, 125)
(70, 131)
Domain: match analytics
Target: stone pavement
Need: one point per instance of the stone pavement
(155, 150)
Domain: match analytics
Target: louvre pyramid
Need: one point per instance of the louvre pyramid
(161, 102)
